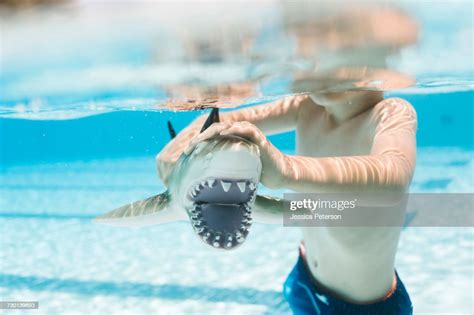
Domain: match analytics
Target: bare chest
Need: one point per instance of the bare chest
(319, 138)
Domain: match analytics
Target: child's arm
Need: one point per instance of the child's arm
(276, 117)
(388, 168)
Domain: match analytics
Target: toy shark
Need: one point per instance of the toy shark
(214, 187)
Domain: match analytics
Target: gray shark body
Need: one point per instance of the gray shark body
(214, 188)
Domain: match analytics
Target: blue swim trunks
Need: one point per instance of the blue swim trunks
(306, 297)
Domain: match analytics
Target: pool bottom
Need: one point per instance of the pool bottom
(51, 253)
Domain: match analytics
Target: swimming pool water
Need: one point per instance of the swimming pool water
(51, 252)
(57, 173)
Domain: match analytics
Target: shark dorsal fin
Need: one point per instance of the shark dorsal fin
(212, 118)
(171, 130)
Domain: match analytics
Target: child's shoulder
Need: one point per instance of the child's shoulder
(394, 107)
(394, 114)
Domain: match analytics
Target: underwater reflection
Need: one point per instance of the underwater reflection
(194, 55)
(24, 4)
(349, 45)
(351, 79)
(348, 28)
(334, 47)
(189, 97)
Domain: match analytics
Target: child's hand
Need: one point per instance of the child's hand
(244, 130)
(273, 161)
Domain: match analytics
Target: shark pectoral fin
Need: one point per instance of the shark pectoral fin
(151, 211)
(268, 209)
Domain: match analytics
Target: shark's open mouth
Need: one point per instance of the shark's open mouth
(221, 212)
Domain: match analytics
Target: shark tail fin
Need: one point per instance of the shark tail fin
(149, 211)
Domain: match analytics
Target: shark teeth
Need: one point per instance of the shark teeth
(207, 236)
(242, 186)
(245, 187)
(220, 239)
(254, 196)
(217, 241)
(226, 185)
(210, 182)
(239, 237)
(252, 186)
(200, 230)
(198, 223)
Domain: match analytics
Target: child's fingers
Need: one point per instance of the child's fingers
(188, 149)
(244, 130)
(210, 132)
(236, 131)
